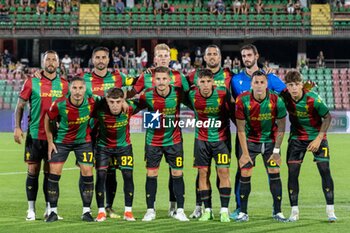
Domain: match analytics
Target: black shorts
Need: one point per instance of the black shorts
(173, 156)
(265, 149)
(204, 151)
(83, 153)
(121, 156)
(297, 149)
(35, 150)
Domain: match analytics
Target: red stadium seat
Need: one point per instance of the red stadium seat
(335, 71)
(3, 70)
(338, 106)
(343, 71)
(337, 94)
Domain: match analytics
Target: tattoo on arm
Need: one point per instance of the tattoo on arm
(19, 112)
(281, 124)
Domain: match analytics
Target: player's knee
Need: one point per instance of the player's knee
(101, 173)
(127, 174)
(152, 172)
(86, 170)
(34, 168)
(176, 172)
(273, 170)
(323, 168)
(223, 173)
(246, 172)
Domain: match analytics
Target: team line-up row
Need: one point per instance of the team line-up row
(91, 117)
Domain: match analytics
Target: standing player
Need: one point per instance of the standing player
(147, 80)
(72, 114)
(210, 102)
(98, 82)
(310, 119)
(260, 117)
(240, 83)
(113, 144)
(40, 92)
(165, 100)
(222, 78)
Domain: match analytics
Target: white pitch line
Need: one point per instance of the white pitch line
(18, 173)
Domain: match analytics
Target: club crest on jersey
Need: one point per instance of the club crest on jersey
(151, 120)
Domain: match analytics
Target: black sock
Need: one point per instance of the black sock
(206, 197)
(237, 188)
(53, 189)
(210, 195)
(32, 184)
(111, 187)
(225, 194)
(198, 193)
(293, 183)
(128, 187)
(172, 197)
(276, 191)
(327, 182)
(151, 191)
(100, 187)
(46, 177)
(88, 190)
(179, 190)
(244, 193)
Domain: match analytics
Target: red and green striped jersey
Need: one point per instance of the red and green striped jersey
(146, 81)
(222, 78)
(73, 120)
(98, 85)
(169, 107)
(305, 115)
(215, 108)
(41, 92)
(260, 116)
(114, 130)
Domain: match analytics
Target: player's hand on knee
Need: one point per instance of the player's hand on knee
(245, 159)
(51, 148)
(275, 157)
(314, 145)
(18, 134)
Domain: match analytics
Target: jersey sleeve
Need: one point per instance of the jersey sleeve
(140, 83)
(133, 109)
(320, 106)
(276, 83)
(281, 109)
(190, 78)
(239, 113)
(184, 82)
(141, 101)
(235, 87)
(26, 90)
(229, 106)
(53, 112)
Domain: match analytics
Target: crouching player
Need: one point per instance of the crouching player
(113, 145)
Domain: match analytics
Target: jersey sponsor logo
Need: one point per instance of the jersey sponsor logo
(263, 117)
(117, 124)
(79, 120)
(52, 93)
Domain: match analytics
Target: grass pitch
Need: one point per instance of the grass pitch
(313, 218)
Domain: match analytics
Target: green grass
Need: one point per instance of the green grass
(13, 203)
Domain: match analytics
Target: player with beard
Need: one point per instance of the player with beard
(98, 82)
(40, 91)
(72, 114)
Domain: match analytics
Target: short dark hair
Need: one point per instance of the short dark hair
(162, 69)
(249, 47)
(50, 51)
(76, 78)
(115, 93)
(212, 46)
(259, 73)
(100, 49)
(205, 73)
(293, 76)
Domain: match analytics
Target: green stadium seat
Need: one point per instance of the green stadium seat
(312, 71)
(7, 99)
(2, 89)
